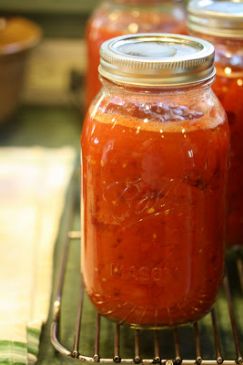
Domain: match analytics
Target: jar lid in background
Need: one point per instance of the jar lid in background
(157, 60)
(217, 18)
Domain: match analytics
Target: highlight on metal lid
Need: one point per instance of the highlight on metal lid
(157, 60)
(221, 18)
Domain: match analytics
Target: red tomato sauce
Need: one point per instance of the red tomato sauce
(153, 213)
(230, 92)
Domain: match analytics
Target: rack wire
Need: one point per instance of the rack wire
(137, 338)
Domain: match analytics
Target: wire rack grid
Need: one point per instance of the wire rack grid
(154, 354)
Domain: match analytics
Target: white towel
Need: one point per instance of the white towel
(33, 182)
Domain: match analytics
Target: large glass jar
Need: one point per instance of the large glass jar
(117, 17)
(154, 165)
(221, 22)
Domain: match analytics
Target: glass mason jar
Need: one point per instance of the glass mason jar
(221, 22)
(117, 17)
(154, 166)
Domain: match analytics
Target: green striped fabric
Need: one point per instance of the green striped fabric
(33, 339)
(25, 352)
(13, 352)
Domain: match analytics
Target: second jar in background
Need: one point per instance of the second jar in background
(221, 22)
(154, 165)
(117, 17)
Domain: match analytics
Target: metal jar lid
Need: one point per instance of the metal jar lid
(157, 60)
(217, 18)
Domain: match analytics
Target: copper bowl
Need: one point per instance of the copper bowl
(17, 37)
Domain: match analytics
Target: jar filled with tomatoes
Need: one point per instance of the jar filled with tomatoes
(221, 22)
(154, 167)
(117, 17)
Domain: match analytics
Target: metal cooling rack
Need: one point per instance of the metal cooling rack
(153, 355)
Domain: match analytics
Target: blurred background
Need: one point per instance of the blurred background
(51, 97)
(43, 61)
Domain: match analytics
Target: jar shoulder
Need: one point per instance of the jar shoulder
(195, 109)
